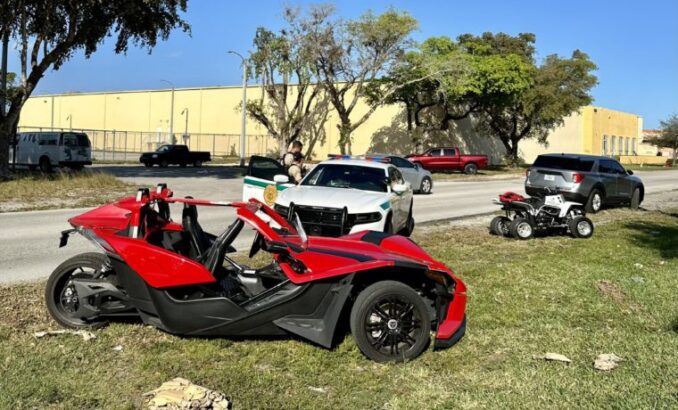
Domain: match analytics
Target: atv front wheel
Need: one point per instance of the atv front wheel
(500, 226)
(581, 227)
(521, 228)
(60, 295)
(390, 322)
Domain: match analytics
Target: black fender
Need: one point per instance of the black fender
(320, 325)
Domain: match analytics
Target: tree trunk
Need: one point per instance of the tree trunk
(7, 132)
(675, 154)
(345, 137)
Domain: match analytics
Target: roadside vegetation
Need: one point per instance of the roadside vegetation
(614, 293)
(29, 191)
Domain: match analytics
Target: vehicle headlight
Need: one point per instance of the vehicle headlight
(365, 217)
(154, 156)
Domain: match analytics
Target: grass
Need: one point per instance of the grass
(492, 172)
(33, 191)
(615, 293)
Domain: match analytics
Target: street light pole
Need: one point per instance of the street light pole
(171, 118)
(185, 111)
(243, 125)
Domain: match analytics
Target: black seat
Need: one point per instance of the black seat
(199, 241)
(214, 257)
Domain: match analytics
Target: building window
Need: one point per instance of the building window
(620, 144)
(613, 145)
(604, 145)
(635, 146)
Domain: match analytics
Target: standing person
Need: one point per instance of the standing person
(293, 160)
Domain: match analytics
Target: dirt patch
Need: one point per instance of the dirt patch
(615, 292)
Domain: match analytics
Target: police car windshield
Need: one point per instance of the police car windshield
(347, 176)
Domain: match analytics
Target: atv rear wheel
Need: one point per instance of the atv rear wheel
(60, 295)
(581, 227)
(390, 322)
(500, 226)
(521, 228)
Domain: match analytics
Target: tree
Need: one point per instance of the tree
(519, 99)
(441, 94)
(290, 98)
(668, 137)
(348, 55)
(49, 32)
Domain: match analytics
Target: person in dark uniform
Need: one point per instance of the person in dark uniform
(293, 160)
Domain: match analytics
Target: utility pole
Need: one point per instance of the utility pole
(171, 118)
(243, 125)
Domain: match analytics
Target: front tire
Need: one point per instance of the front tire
(197, 163)
(500, 226)
(164, 163)
(521, 228)
(148, 164)
(59, 295)
(635, 199)
(426, 186)
(390, 322)
(595, 202)
(581, 227)
(409, 225)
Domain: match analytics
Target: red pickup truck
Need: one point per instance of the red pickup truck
(449, 159)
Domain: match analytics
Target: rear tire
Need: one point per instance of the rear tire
(595, 202)
(470, 168)
(45, 165)
(426, 186)
(57, 286)
(390, 322)
(521, 228)
(635, 199)
(581, 227)
(148, 164)
(197, 163)
(500, 226)
(164, 163)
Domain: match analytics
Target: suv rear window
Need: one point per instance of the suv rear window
(564, 163)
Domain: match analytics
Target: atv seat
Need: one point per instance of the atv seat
(199, 240)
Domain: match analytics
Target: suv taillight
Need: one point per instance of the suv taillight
(577, 177)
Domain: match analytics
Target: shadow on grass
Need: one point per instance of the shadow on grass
(655, 236)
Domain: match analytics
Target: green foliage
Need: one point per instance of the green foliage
(48, 33)
(495, 78)
(668, 137)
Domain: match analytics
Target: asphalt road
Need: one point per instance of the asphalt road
(29, 240)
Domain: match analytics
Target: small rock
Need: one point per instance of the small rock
(638, 279)
(554, 357)
(317, 389)
(606, 361)
(662, 262)
(86, 336)
(638, 265)
(118, 348)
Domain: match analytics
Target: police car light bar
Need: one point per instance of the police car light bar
(340, 156)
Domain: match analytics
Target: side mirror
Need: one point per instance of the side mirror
(281, 179)
(630, 172)
(399, 188)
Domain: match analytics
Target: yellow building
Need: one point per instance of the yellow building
(209, 119)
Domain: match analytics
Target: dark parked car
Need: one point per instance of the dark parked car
(174, 155)
(595, 181)
(449, 159)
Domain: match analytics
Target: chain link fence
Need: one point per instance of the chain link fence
(114, 145)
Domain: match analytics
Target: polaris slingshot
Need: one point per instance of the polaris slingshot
(181, 279)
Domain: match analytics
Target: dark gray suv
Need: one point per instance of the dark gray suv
(592, 180)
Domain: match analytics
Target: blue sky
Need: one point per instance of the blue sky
(634, 44)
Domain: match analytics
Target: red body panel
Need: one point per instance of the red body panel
(323, 257)
(455, 162)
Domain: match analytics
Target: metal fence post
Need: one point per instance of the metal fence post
(113, 147)
(125, 152)
(104, 147)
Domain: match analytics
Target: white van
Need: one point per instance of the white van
(53, 149)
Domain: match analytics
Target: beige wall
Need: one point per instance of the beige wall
(214, 124)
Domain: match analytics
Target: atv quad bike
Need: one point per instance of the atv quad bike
(550, 213)
(183, 280)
